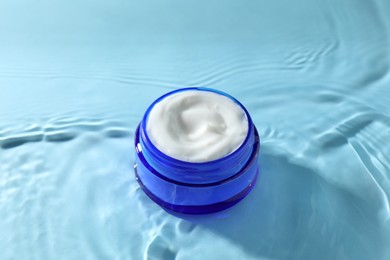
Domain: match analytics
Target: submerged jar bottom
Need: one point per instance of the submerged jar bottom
(190, 198)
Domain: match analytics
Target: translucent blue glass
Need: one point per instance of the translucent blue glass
(196, 188)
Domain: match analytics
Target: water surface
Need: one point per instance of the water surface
(77, 76)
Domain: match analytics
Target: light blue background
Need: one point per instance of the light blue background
(77, 76)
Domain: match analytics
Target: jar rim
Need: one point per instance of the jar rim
(252, 159)
(187, 163)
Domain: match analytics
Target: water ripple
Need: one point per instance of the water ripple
(61, 130)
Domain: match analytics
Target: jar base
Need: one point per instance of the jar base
(198, 209)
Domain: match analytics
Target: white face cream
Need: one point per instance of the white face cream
(197, 126)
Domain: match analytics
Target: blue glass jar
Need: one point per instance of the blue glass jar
(196, 188)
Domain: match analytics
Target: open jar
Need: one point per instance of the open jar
(176, 177)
